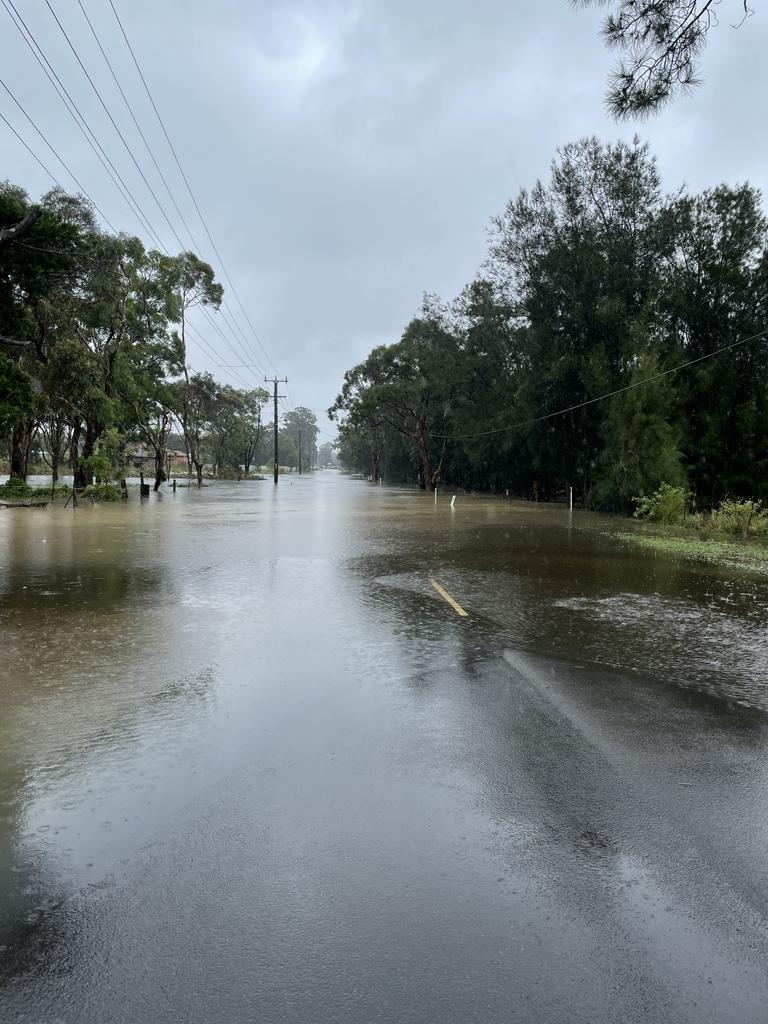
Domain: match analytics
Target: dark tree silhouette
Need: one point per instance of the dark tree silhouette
(660, 43)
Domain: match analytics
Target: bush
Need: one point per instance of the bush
(16, 489)
(744, 517)
(102, 492)
(98, 465)
(667, 505)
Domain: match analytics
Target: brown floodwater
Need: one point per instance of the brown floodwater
(253, 767)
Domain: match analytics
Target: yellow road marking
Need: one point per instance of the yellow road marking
(447, 597)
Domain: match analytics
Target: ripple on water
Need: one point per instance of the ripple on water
(696, 645)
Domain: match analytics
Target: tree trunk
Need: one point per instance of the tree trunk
(376, 465)
(22, 439)
(160, 475)
(74, 443)
(82, 476)
(57, 443)
(199, 471)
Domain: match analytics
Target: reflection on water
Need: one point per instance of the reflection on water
(138, 639)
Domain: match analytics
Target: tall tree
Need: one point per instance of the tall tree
(192, 283)
(39, 273)
(578, 258)
(412, 385)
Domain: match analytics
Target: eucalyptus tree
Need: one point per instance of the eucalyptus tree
(411, 385)
(363, 425)
(298, 437)
(150, 364)
(192, 284)
(40, 268)
(249, 432)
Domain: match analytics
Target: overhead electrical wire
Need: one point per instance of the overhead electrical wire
(61, 160)
(32, 153)
(53, 77)
(195, 203)
(600, 398)
(76, 115)
(233, 329)
(139, 129)
(114, 123)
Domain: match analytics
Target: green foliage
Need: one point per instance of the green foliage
(103, 492)
(15, 392)
(98, 465)
(660, 42)
(15, 489)
(666, 505)
(739, 517)
(558, 368)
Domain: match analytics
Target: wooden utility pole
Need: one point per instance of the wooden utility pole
(275, 381)
(299, 451)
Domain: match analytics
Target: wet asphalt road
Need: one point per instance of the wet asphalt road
(255, 769)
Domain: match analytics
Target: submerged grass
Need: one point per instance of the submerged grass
(717, 552)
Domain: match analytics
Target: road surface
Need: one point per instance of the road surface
(254, 767)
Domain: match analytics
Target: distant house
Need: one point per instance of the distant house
(139, 454)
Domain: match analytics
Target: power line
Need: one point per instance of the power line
(114, 124)
(32, 153)
(135, 120)
(126, 146)
(608, 394)
(200, 340)
(188, 186)
(74, 112)
(54, 252)
(82, 124)
(63, 163)
(233, 326)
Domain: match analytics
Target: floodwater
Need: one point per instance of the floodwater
(254, 769)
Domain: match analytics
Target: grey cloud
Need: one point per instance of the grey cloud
(349, 155)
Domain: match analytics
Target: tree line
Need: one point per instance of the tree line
(93, 352)
(595, 281)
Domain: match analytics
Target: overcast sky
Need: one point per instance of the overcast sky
(349, 155)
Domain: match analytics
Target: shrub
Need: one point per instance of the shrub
(98, 465)
(667, 505)
(102, 492)
(16, 489)
(744, 517)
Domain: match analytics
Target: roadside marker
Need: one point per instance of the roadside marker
(447, 597)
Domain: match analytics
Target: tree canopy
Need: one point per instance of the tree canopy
(595, 282)
(93, 352)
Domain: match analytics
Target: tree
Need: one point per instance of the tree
(578, 259)
(661, 42)
(38, 275)
(250, 428)
(298, 438)
(326, 457)
(715, 292)
(191, 282)
(15, 392)
(411, 385)
(200, 393)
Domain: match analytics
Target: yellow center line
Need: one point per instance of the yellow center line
(447, 597)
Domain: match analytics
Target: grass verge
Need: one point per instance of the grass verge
(716, 552)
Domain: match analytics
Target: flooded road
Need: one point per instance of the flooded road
(254, 768)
